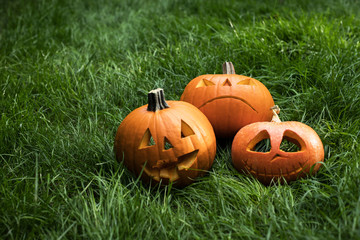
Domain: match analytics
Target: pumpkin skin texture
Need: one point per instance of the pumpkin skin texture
(183, 145)
(229, 101)
(277, 164)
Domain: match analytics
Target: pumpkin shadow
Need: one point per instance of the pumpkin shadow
(224, 143)
(223, 150)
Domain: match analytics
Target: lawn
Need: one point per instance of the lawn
(70, 71)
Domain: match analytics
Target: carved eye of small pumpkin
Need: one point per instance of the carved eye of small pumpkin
(260, 143)
(291, 142)
(263, 146)
(205, 83)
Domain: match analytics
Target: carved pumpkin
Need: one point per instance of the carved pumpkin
(277, 163)
(166, 141)
(229, 101)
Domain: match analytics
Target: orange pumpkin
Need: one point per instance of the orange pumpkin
(277, 163)
(229, 101)
(166, 141)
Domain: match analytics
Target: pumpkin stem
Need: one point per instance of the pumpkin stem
(156, 100)
(276, 111)
(228, 68)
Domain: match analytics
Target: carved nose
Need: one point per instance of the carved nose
(275, 157)
(227, 83)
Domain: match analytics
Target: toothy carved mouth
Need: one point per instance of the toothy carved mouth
(187, 160)
(169, 170)
(286, 173)
(229, 96)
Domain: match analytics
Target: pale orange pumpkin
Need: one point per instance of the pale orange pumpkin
(166, 141)
(229, 101)
(277, 163)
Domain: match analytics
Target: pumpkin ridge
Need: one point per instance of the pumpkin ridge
(119, 141)
(138, 127)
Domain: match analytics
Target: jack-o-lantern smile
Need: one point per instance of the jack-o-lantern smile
(229, 101)
(169, 169)
(173, 158)
(166, 141)
(276, 161)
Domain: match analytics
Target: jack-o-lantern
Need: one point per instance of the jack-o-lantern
(166, 141)
(229, 101)
(277, 163)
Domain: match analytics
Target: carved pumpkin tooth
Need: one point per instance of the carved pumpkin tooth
(187, 160)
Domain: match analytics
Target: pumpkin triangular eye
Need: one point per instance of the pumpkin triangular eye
(186, 130)
(147, 140)
(204, 83)
(260, 143)
(245, 82)
(289, 145)
(262, 146)
(227, 83)
(167, 144)
(291, 142)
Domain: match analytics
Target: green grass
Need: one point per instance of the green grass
(70, 71)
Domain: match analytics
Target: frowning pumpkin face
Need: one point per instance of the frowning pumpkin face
(229, 101)
(171, 144)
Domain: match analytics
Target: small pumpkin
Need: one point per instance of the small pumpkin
(277, 163)
(166, 141)
(229, 101)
